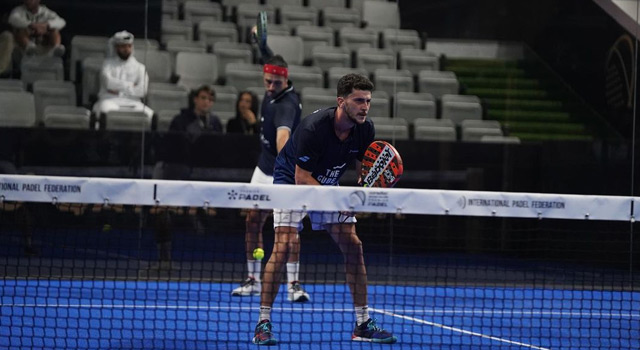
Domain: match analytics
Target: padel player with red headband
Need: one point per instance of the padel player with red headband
(280, 115)
(318, 153)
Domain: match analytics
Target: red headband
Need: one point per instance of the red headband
(277, 70)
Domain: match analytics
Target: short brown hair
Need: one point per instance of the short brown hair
(352, 81)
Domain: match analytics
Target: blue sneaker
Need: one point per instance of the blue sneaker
(263, 335)
(369, 331)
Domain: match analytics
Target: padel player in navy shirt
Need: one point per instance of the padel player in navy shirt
(318, 153)
(281, 111)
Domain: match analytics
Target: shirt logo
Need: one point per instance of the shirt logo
(354, 151)
(304, 158)
(339, 166)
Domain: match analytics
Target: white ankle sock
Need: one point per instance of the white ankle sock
(265, 313)
(362, 314)
(254, 269)
(292, 271)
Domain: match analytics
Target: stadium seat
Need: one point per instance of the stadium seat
(355, 38)
(289, 47)
(304, 76)
(18, 109)
(398, 39)
(212, 32)
(313, 36)
(127, 121)
(41, 68)
(173, 29)
(416, 60)
(499, 139)
(162, 97)
(380, 105)
(475, 130)
(294, 16)
(14, 85)
(83, 46)
(91, 68)
(339, 17)
(280, 3)
(316, 98)
(335, 73)
(358, 4)
(391, 128)
(157, 63)
(434, 129)
(196, 11)
(461, 107)
(170, 9)
(52, 93)
(438, 83)
(326, 57)
(392, 81)
(381, 14)
(231, 52)
(195, 69)
(372, 59)
(66, 117)
(279, 29)
(142, 44)
(244, 75)
(175, 46)
(231, 6)
(415, 105)
(225, 105)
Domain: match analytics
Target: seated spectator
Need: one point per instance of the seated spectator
(123, 80)
(174, 154)
(36, 29)
(198, 116)
(245, 121)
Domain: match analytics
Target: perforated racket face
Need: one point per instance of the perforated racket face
(261, 26)
(381, 165)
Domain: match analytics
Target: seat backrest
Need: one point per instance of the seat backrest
(18, 109)
(127, 121)
(66, 117)
(53, 93)
(393, 80)
(158, 64)
(196, 68)
(304, 76)
(230, 52)
(378, 14)
(372, 59)
(298, 15)
(335, 73)
(196, 11)
(41, 68)
(14, 85)
(244, 75)
(414, 105)
(83, 46)
(340, 17)
(327, 57)
(289, 47)
(398, 39)
(212, 32)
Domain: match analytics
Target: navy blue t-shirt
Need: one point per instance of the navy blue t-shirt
(315, 147)
(282, 110)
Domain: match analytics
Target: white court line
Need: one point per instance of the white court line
(459, 330)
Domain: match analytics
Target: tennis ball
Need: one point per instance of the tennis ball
(258, 253)
(106, 228)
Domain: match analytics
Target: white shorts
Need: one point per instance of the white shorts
(319, 219)
(260, 178)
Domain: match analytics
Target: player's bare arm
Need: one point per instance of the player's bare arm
(282, 135)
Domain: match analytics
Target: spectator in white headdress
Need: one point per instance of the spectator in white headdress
(123, 80)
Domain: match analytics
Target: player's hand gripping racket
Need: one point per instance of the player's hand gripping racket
(381, 165)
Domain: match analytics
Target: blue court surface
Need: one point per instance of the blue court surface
(43, 314)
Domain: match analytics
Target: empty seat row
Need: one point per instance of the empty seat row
(441, 130)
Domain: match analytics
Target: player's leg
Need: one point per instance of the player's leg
(253, 239)
(285, 223)
(254, 222)
(345, 236)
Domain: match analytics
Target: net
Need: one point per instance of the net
(148, 264)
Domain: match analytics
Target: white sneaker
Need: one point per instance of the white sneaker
(296, 293)
(249, 287)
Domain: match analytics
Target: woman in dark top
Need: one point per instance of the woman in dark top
(246, 120)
